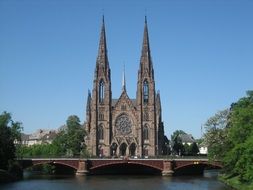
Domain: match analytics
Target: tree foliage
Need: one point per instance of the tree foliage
(176, 134)
(10, 131)
(216, 134)
(68, 142)
(230, 138)
(71, 140)
(40, 150)
(176, 142)
(194, 149)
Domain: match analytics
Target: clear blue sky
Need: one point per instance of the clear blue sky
(202, 55)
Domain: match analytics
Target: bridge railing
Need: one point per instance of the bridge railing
(167, 157)
(181, 157)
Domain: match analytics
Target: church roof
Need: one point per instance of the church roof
(114, 101)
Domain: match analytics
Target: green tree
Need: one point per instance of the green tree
(187, 149)
(70, 141)
(176, 134)
(177, 146)
(238, 159)
(216, 134)
(194, 149)
(60, 143)
(10, 131)
(40, 150)
(230, 138)
(243, 164)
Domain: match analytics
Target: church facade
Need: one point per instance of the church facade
(124, 126)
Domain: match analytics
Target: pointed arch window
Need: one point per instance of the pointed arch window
(145, 132)
(101, 116)
(100, 132)
(145, 91)
(101, 91)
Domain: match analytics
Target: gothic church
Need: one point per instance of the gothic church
(124, 126)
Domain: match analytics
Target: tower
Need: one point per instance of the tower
(100, 121)
(146, 99)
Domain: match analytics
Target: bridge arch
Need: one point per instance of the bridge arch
(65, 164)
(32, 163)
(125, 168)
(195, 168)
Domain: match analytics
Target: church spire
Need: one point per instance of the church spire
(146, 62)
(88, 105)
(102, 58)
(123, 80)
(158, 100)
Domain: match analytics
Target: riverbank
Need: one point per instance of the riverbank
(10, 176)
(235, 183)
(5, 177)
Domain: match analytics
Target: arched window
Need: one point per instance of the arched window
(101, 116)
(101, 91)
(145, 91)
(132, 149)
(100, 132)
(145, 132)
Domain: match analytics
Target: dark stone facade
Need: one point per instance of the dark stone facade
(124, 126)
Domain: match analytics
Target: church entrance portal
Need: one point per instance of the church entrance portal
(122, 149)
(132, 150)
(113, 149)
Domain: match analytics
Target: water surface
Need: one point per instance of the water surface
(117, 182)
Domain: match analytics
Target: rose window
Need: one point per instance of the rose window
(123, 125)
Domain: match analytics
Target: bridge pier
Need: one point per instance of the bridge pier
(82, 169)
(167, 168)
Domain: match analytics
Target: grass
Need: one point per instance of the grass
(235, 183)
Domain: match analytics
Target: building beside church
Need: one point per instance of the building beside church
(124, 126)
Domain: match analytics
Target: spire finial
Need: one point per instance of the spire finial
(145, 15)
(145, 36)
(123, 79)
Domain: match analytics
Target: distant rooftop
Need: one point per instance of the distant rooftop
(187, 138)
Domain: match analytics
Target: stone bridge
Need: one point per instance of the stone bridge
(166, 167)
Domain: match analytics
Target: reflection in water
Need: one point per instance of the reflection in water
(122, 182)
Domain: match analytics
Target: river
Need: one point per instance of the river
(117, 182)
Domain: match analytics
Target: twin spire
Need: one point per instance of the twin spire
(145, 62)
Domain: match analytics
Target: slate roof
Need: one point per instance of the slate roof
(50, 136)
(24, 137)
(187, 138)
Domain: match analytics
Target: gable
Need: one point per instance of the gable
(124, 103)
